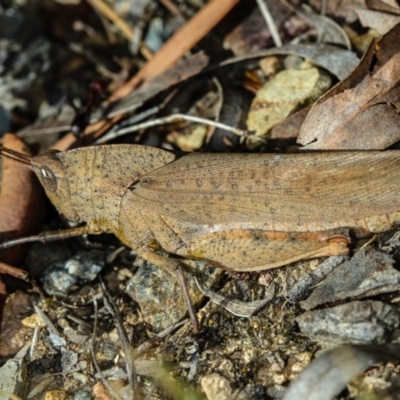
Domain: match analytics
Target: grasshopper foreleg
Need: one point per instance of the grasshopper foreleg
(45, 237)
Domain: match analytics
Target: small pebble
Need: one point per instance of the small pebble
(82, 396)
(55, 395)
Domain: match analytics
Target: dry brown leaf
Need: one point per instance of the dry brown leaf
(390, 6)
(21, 201)
(340, 10)
(381, 21)
(328, 30)
(12, 333)
(290, 127)
(252, 34)
(362, 112)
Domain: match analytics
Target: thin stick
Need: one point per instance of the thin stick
(92, 350)
(35, 339)
(20, 274)
(123, 336)
(135, 119)
(45, 237)
(168, 120)
(55, 337)
(323, 7)
(161, 335)
(110, 14)
(171, 7)
(15, 272)
(95, 130)
(262, 4)
(179, 44)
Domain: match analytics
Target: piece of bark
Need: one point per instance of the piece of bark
(302, 285)
(367, 274)
(358, 322)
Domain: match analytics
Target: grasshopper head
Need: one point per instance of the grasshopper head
(51, 174)
(53, 177)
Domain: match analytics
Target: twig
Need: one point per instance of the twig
(149, 343)
(262, 4)
(220, 98)
(35, 338)
(55, 337)
(95, 130)
(323, 7)
(123, 336)
(179, 44)
(368, 242)
(168, 120)
(92, 350)
(146, 52)
(15, 272)
(109, 13)
(172, 8)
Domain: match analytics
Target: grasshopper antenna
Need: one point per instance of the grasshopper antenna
(15, 156)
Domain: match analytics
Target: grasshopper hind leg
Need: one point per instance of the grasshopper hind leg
(256, 250)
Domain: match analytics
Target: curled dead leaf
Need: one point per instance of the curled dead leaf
(21, 201)
(327, 375)
(361, 112)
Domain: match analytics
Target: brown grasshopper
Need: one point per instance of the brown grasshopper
(243, 212)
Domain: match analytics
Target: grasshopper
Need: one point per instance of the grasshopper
(243, 212)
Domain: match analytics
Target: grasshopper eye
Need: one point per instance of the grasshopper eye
(49, 180)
